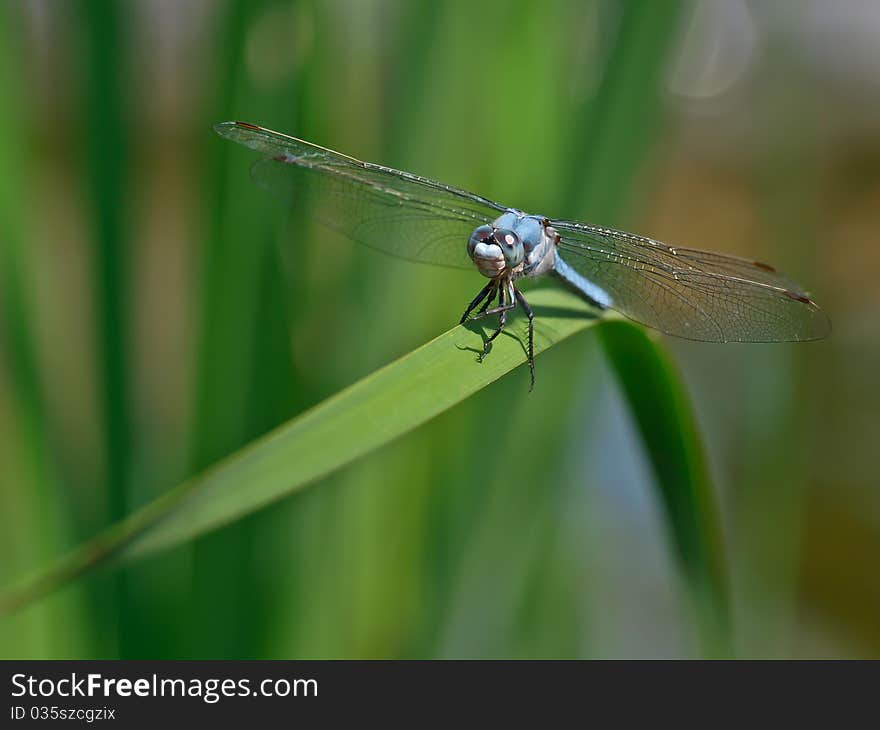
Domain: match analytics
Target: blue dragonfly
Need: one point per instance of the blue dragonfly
(685, 292)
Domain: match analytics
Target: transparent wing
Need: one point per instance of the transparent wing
(688, 293)
(395, 212)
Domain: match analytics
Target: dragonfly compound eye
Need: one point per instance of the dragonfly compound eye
(511, 247)
(486, 252)
(483, 234)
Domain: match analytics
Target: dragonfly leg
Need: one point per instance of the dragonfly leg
(488, 302)
(488, 289)
(505, 301)
(502, 320)
(528, 310)
(495, 310)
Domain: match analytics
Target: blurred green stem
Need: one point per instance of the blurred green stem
(102, 23)
(107, 161)
(661, 409)
(619, 125)
(34, 516)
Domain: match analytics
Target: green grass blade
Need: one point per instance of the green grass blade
(359, 419)
(660, 408)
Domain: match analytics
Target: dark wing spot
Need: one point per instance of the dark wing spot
(765, 267)
(797, 297)
(246, 125)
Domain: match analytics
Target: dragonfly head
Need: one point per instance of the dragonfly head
(495, 249)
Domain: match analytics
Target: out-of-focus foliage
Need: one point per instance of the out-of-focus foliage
(357, 420)
(157, 311)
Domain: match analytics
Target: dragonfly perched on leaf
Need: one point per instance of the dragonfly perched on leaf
(683, 292)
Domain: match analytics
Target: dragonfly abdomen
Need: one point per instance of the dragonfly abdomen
(594, 294)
